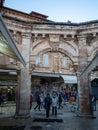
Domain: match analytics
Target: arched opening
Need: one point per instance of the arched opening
(55, 72)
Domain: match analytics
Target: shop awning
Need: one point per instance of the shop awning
(7, 44)
(69, 79)
(45, 74)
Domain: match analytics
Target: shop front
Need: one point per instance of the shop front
(69, 87)
(45, 82)
(8, 81)
(7, 90)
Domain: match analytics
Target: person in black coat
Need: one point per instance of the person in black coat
(47, 105)
(38, 102)
(1, 99)
(60, 101)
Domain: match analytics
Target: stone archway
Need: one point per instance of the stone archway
(73, 40)
(57, 53)
(40, 47)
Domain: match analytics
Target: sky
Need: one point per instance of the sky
(75, 11)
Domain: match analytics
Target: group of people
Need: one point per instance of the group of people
(54, 101)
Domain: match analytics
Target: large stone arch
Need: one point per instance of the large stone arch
(92, 49)
(44, 45)
(71, 44)
(67, 48)
(70, 48)
(38, 46)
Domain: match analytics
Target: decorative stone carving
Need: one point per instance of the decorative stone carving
(26, 35)
(37, 37)
(54, 46)
(89, 39)
(54, 38)
(17, 37)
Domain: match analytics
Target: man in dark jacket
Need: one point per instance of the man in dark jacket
(1, 99)
(60, 101)
(47, 105)
(31, 100)
(38, 102)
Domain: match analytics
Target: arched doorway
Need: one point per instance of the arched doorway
(47, 76)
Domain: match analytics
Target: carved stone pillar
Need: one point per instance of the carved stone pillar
(83, 56)
(83, 82)
(84, 96)
(24, 82)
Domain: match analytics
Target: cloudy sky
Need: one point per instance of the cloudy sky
(59, 10)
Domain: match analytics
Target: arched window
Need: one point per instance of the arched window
(38, 61)
(45, 60)
(64, 62)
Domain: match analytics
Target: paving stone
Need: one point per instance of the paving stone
(70, 120)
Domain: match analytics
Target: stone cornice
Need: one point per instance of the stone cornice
(6, 10)
(56, 27)
(68, 24)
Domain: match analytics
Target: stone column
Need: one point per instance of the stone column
(83, 56)
(24, 81)
(83, 82)
(84, 96)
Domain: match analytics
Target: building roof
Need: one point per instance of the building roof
(30, 15)
(67, 23)
(7, 44)
(38, 14)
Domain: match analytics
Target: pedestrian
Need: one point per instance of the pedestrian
(65, 98)
(47, 104)
(54, 103)
(38, 103)
(93, 102)
(1, 99)
(60, 101)
(31, 100)
(42, 100)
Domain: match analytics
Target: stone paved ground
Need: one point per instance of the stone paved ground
(70, 121)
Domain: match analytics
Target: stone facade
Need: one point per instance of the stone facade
(67, 48)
